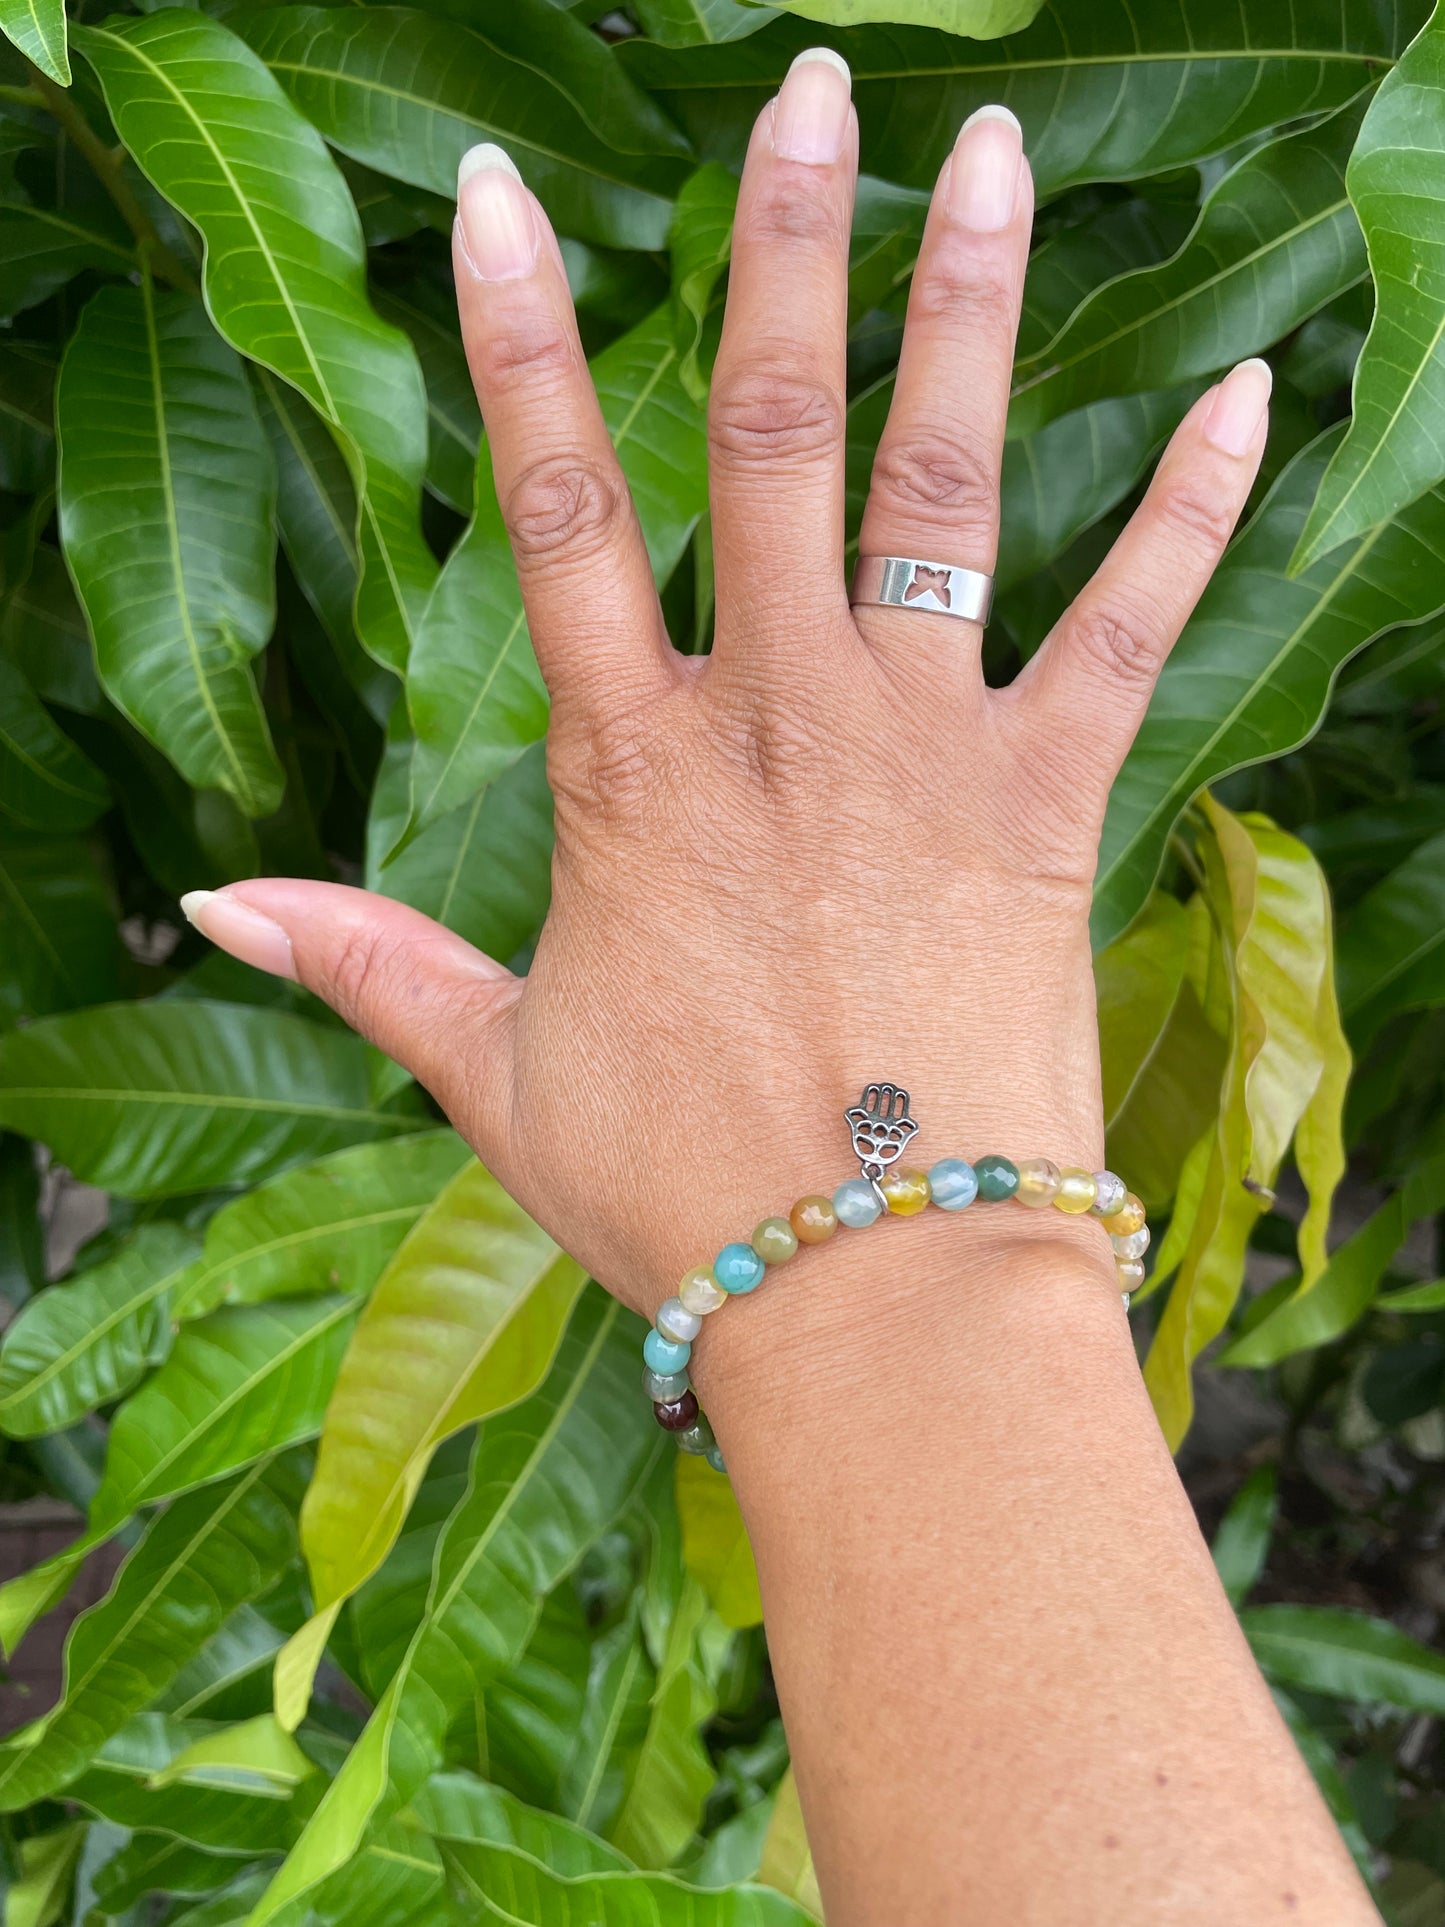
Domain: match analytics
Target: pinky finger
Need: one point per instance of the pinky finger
(1104, 655)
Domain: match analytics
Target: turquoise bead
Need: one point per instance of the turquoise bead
(856, 1203)
(954, 1184)
(665, 1355)
(998, 1178)
(715, 1457)
(738, 1268)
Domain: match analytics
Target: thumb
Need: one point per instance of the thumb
(414, 988)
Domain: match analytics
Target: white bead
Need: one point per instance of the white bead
(676, 1322)
(1133, 1245)
(1131, 1272)
(1110, 1193)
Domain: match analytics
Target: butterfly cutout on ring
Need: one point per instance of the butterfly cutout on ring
(928, 581)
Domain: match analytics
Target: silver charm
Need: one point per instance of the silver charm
(882, 1130)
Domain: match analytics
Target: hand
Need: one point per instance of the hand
(828, 853)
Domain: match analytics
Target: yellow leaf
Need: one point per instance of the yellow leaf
(787, 1861)
(464, 1321)
(715, 1545)
(257, 1756)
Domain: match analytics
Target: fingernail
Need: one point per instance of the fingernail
(810, 116)
(239, 930)
(1239, 407)
(983, 175)
(494, 213)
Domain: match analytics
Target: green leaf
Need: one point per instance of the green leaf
(459, 1807)
(1325, 1649)
(153, 1100)
(45, 247)
(132, 1781)
(409, 92)
(1391, 454)
(1065, 269)
(485, 871)
(1320, 1759)
(1392, 947)
(158, 1863)
(1347, 1286)
(47, 1861)
(715, 1545)
(58, 942)
(701, 23)
(512, 1889)
(453, 417)
(46, 783)
(43, 632)
(787, 1861)
(37, 28)
(1252, 673)
(237, 1386)
(700, 242)
(27, 418)
(548, 1477)
(255, 1756)
(1241, 1545)
(1107, 94)
(978, 19)
(327, 1226)
(473, 688)
(230, 1677)
(285, 272)
(1426, 1297)
(203, 1556)
(671, 1773)
(82, 1344)
(167, 495)
(1275, 240)
(612, 1728)
(464, 1321)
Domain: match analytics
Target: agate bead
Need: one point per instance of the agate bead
(738, 1268)
(1131, 1274)
(1134, 1246)
(677, 1414)
(697, 1439)
(663, 1387)
(1129, 1217)
(775, 1241)
(715, 1459)
(856, 1203)
(1109, 1193)
(813, 1220)
(907, 1192)
(1038, 1182)
(1076, 1191)
(676, 1322)
(700, 1291)
(664, 1355)
(953, 1184)
(998, 1178)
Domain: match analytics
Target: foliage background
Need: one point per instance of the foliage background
(456, 1639)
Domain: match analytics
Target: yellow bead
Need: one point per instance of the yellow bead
(907, 1192)
(1077, 1190)
(700, 1291)
(813, 1219)
(1038, 1182)
(1129, 1217)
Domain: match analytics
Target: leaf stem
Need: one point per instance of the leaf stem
(108, 165)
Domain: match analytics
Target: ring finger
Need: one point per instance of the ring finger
(934, 492)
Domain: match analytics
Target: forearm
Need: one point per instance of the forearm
(1013, 1687)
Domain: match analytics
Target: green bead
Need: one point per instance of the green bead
(997, 1179)
(775, 1241)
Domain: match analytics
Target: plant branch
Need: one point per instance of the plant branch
(108, 165)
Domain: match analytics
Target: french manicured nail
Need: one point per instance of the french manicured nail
(983, 174)
(810, 116)
(494, 213)
(236, 928)
(1238, 407)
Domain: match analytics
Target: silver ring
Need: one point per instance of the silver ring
(940, 588)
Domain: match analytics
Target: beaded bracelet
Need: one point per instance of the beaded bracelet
(881, 1128)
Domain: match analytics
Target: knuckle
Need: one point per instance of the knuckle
(530, 351)
(363, 975)
(934, 471)
(1203, 521)
(562, 504)
(965, 296)
(1126, 645)
(769, 414)
(783, 215)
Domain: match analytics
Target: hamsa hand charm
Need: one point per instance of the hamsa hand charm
(881, 1127)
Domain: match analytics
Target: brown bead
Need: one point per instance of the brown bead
(813, 1220)
(678, 1415)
